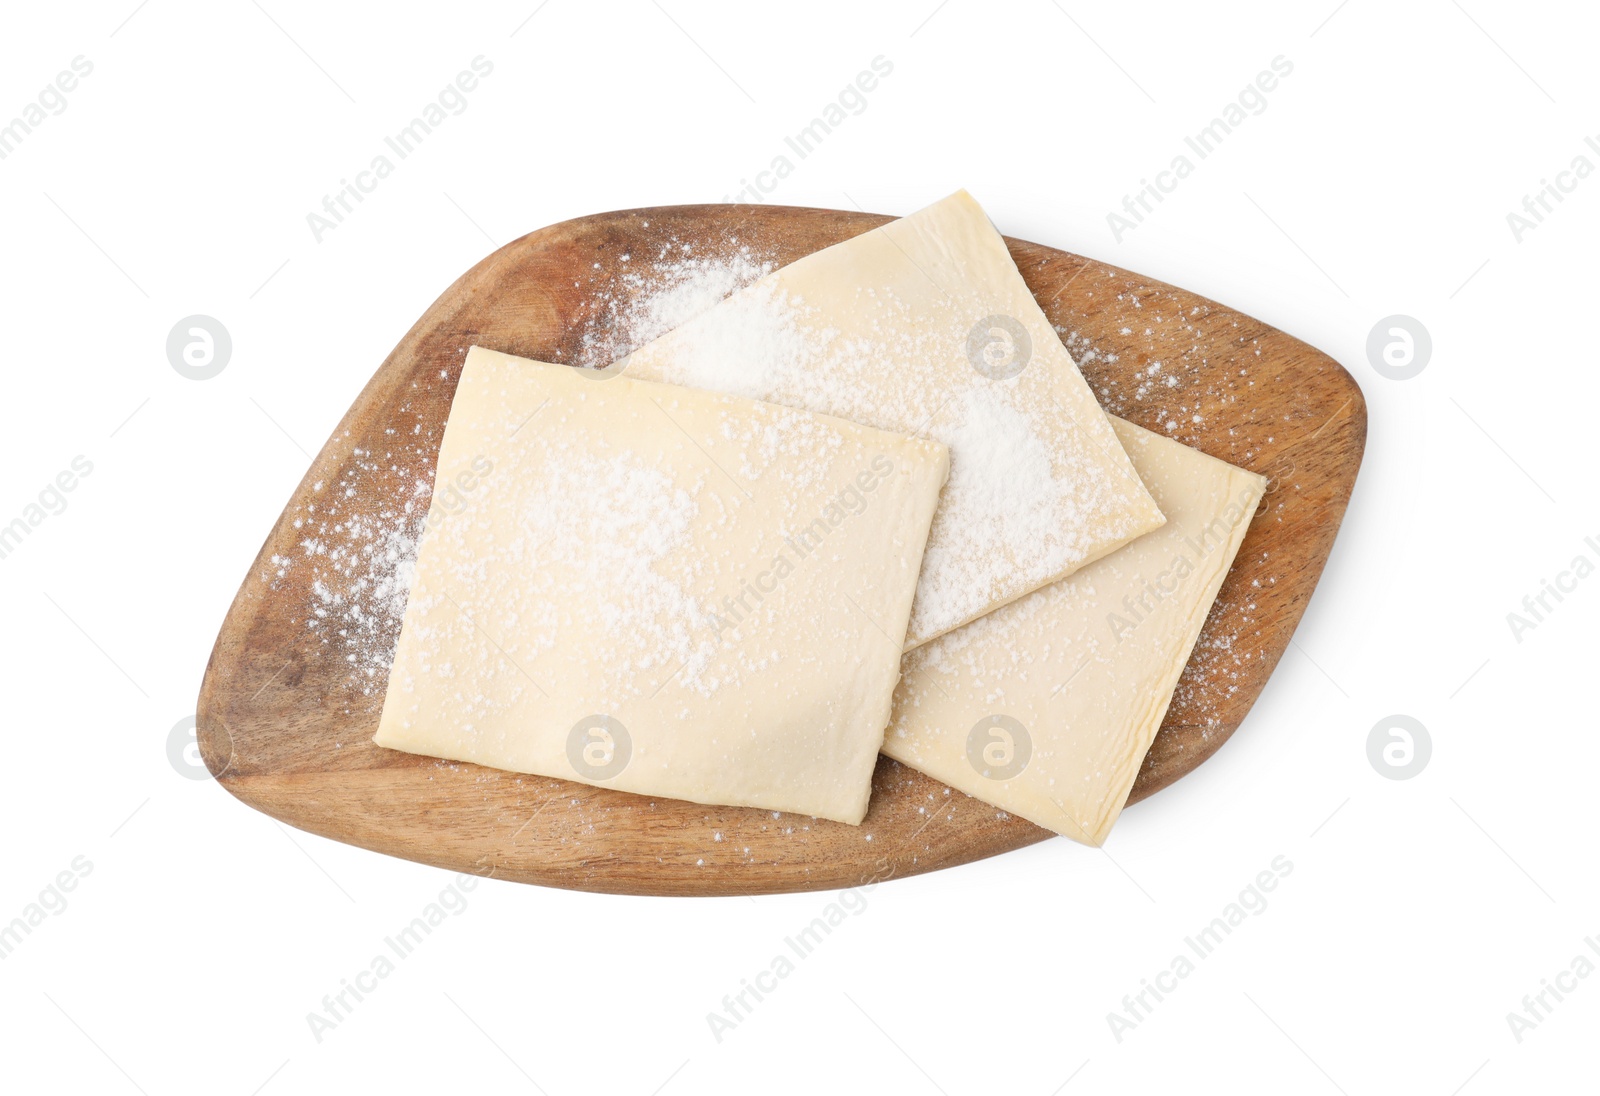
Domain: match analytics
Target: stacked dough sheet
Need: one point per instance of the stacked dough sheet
(866, 503)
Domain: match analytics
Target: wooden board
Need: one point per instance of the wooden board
(291, 698)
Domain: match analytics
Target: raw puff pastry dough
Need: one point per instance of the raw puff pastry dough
(1046, 707)
(712, 589)
(917, 327)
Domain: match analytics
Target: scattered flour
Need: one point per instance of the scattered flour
(653, 298)
(607, 525)
(360, 564)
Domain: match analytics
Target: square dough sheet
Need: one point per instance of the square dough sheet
(667, 591)
(1045, 708)
(924, 326)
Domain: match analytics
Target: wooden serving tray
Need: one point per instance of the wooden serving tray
(291, 698)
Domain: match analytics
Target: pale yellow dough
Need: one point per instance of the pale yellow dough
(1045, 708)
(711, 589)
(918, 327)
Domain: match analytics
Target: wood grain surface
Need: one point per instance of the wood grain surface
(287, 708)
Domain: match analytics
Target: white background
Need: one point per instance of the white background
(1377, 181)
